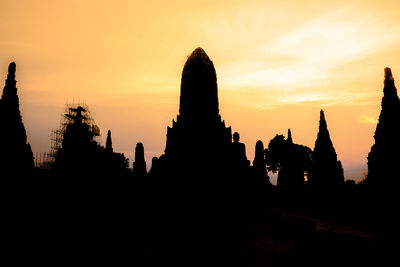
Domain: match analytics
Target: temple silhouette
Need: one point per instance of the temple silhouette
(202, 202)
(16, 158)
(139, 166)
(198, 137)
(384, 156)
(326, 172)
(79, 158)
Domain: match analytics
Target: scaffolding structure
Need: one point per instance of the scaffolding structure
(72, 112)
(43, 160)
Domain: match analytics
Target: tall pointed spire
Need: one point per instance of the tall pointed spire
(289, 138)
(324, 167)
(109, 142)
(10, 90)
(389, 89)
(15, 153)
(323, 128)
(384, 157)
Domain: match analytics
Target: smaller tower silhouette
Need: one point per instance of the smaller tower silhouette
(289, 138)
(325, 172)
(259, 164)
(109, 142)
(139, 166)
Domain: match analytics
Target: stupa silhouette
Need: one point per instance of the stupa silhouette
(198, 139)
(326, 170)
(16, 158)
(384, 157)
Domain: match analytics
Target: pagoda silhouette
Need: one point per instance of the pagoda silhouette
(198, 141)
(16, 158)
(384, 157)
(80, 159)
(326, 171)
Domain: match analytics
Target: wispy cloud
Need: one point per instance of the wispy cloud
(367, 119)
(314, 49)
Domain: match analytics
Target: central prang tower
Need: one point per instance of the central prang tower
(198, 136)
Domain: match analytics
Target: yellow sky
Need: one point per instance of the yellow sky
(278, 63)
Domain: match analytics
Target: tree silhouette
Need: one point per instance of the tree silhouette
(291, 160)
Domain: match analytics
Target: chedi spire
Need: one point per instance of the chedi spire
(15, 153)
(384, 156)
(289, 138)
(199, 93)
(139, 166)
(109, 142)
(325, 171)
(198, 134)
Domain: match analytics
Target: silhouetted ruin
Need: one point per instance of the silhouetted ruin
(291, 160)
(109, 142)
(259, 165)
(139, 166)
(198, 137)
(384, 157)
(239, 162)
(326, 171)
(201, 203)
(80, 159)
(16, 158)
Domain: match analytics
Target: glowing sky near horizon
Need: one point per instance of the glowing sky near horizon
(278, 63)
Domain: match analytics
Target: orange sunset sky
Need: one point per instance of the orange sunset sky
(278, 63)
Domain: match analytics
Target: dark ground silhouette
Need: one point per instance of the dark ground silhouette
(201, 203)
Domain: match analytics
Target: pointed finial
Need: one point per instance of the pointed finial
(199, 53)
(388, 74)
(109, 141)
(12, 68)
(199, 50)
(322, 115)
(289, 138)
